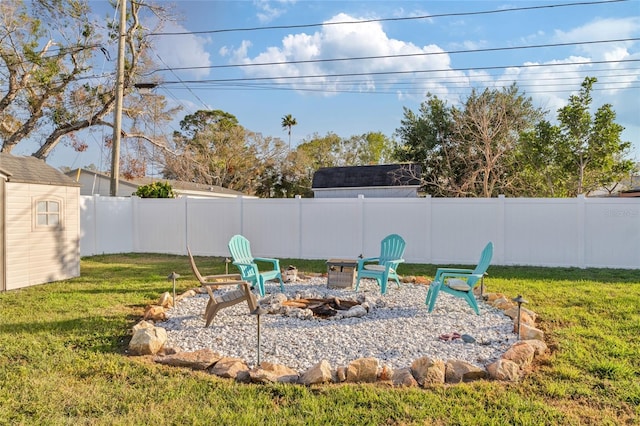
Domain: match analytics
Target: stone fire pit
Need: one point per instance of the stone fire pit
(360, 336)
(311, 304)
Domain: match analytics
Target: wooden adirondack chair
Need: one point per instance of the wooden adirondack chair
(460, 282)
(241, 253)
(383, 268)
(240, 292)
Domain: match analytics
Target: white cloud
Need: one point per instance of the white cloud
(183, 51)
(267, 11)
(367, 39)
(601, 29)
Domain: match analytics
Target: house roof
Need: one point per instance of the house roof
(185, 188)
(32, 170)
(190, 186)
(367, 176)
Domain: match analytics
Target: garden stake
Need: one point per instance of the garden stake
(257, 312)
(172, 277)
(519, 300)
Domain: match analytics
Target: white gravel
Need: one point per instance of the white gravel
(396, 330)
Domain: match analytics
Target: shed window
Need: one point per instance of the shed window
(48, 213)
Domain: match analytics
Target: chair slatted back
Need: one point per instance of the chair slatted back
(391, 249)
(240, 249)
(483, 263)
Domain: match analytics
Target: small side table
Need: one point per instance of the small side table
(341, 273)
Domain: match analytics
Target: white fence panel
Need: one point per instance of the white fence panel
(583, 232)
(612, 233)
(108, 227)
(210, 225)
(159, 225)
(331, 228)
(272, 226)
(461, 228)
(88, 224)
(405, 217)
(542, 232)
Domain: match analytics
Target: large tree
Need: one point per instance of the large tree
(487, 130)
(468, 151)
(214, 149)
(580, 154)
(591, 149)
(51, 90)
(288, 121)
(425, 138)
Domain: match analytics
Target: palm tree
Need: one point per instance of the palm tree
(287, 123)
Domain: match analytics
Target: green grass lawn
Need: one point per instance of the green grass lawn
(62, 358)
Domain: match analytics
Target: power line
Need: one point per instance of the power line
(404, 55)
(377, 73)
(460, 79)
(407, 18)
(413, 91)
(196, 96)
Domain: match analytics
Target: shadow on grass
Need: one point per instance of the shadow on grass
(103, 334)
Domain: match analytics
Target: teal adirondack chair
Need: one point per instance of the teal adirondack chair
(383, 268)
(460, 282)
(241, 253)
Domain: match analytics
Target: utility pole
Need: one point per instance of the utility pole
(117, 114)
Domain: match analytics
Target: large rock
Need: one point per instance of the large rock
(403, 377)
(525, 318)
(188, 293)
(461, 371)
(363, 370)
(268, 372)
(530, 333)
(539, 346)
(428, 371)
(155, 313)
(505, 370)
(492, 297)
(357, 311)
(521, 353)
(147, 341)
(231, 368)
(319, 373)
(165, 300)
(385, 373)
(503, 304)
(198, 360)
(142, 324)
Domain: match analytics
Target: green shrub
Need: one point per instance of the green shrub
(155, 190)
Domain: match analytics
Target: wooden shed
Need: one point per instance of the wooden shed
(374, 181)
(39, 223)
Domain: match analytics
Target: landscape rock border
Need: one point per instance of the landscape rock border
(148, 339)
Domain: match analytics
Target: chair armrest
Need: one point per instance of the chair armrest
(274, 262)
(393, 264)
(361, 262)
(213, 283)
(446, 275)
(230, 277)
(441, 271)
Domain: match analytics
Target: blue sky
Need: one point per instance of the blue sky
(452, 54)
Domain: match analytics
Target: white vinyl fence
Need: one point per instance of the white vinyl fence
(581, 232)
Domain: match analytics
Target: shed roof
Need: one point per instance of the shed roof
(367, 176)
(32, 170)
